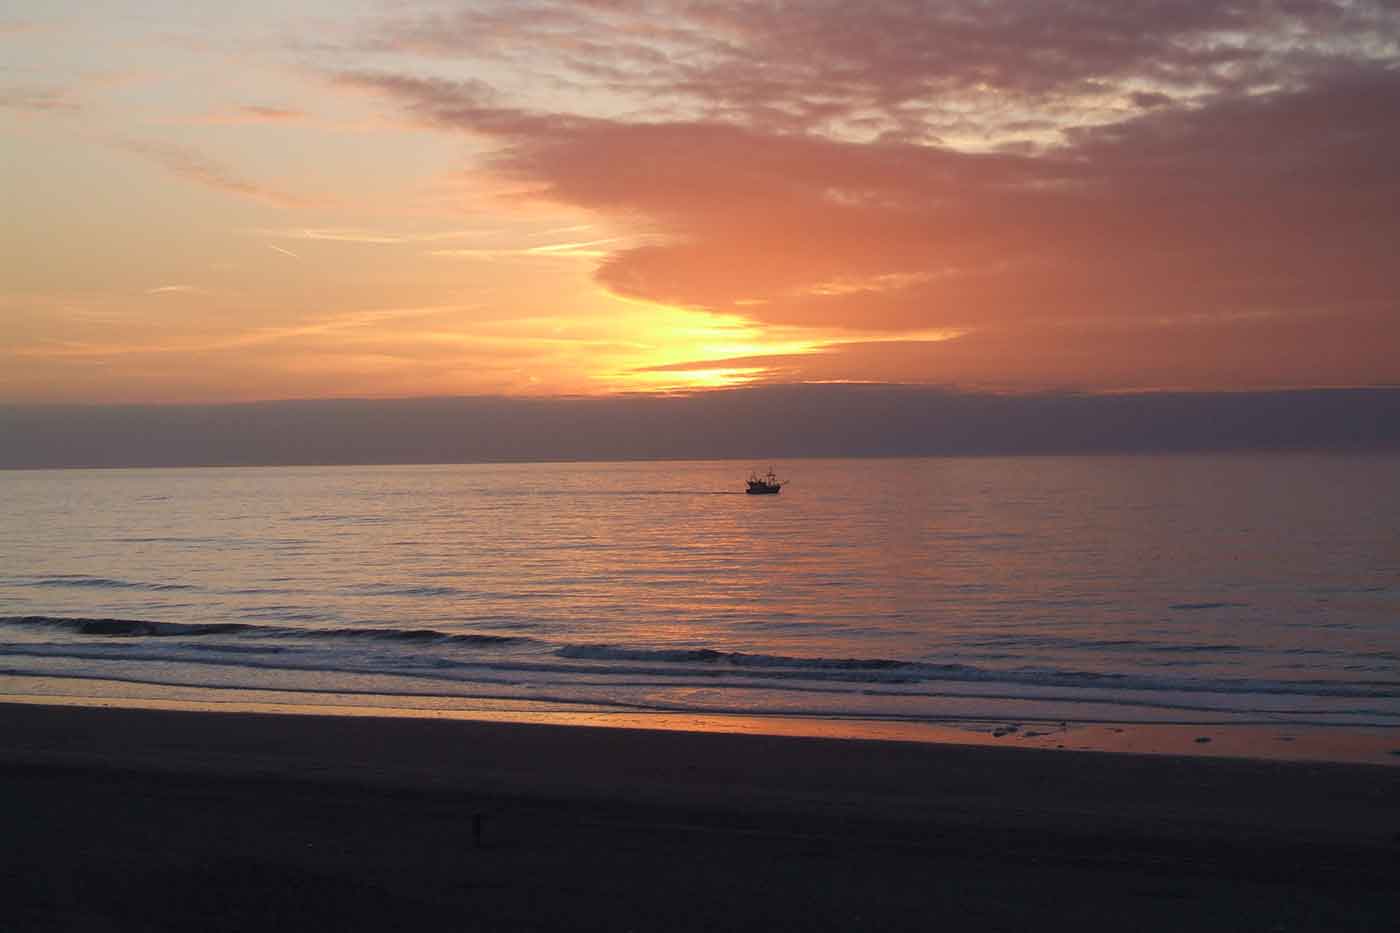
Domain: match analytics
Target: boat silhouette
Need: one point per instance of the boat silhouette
(765, 485)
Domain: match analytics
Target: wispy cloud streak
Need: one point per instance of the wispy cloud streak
(53, 100)
(177, 290)
(252, 114)
(197, 167)
(348, 321)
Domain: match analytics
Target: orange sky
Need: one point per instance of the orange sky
(423, 198)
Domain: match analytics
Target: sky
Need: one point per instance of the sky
(211, 203)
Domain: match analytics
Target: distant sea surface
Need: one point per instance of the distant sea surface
(990, 593)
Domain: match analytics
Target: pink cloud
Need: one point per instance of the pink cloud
(1248, 233)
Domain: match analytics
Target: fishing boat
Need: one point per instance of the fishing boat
(765, 485)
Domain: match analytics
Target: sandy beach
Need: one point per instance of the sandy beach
(139, 819)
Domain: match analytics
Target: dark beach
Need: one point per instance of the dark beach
(122, 819)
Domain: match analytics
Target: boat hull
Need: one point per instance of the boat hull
(764, 490)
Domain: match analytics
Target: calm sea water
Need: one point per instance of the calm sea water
(1174, 589)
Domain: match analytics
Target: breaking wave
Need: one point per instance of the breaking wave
(1207, 605)
(735, 658)
(482, 657)
(143, 628)
(101, 583)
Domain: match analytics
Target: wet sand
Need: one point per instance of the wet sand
(139, 819)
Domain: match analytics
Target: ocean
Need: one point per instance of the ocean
(997, 596)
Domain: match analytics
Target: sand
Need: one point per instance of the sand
(139, 819)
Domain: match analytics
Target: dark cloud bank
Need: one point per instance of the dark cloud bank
(761, 423)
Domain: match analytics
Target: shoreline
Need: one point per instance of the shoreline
(1289, 742)
(145, 819)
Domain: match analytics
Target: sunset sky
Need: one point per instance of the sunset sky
(388, 198)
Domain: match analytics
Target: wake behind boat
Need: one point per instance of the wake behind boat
(768, 484)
